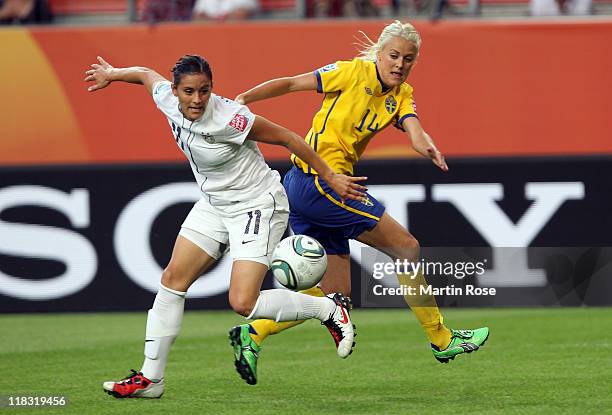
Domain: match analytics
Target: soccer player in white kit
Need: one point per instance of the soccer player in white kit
(243, 205)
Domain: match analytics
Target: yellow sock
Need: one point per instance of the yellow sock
(264, 328)
(426, 310)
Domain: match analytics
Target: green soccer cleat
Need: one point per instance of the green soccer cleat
(246, 352)
(462, 341)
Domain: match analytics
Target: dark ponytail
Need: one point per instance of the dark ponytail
(190, 64)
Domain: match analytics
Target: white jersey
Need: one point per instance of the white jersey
(228, 169)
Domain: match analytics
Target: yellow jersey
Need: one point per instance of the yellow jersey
(355, 108)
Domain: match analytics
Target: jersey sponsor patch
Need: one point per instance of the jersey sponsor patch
(239, 122)
(414, 106)
(328, 68)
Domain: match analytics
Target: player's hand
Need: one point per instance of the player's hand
(347, 187)
(101, 74)
(437, 158)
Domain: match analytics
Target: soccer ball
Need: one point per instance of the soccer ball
(299, 262)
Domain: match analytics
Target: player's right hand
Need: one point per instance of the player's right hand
(100, 74)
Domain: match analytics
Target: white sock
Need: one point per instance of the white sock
(285, 305)
(163, 326)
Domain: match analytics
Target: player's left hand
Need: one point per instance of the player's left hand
(437, 158)
(347, 187)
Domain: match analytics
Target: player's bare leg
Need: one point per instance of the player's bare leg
(279, 305)
(164, 321)
(394, 240)
(337, 278)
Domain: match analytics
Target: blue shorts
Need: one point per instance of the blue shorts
(316, 210)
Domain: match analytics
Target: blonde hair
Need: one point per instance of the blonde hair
(368, 48)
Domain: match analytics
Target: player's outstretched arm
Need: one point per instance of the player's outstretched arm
(103, 73)
(422, 142)
(265, 131)
(279, 86)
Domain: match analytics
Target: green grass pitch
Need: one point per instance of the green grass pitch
(536, 361)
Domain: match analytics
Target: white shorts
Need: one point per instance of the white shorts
(251, 228)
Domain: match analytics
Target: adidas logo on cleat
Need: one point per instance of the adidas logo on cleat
(468, 347)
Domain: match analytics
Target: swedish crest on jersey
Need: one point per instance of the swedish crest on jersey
(390, 104)
(367, 202)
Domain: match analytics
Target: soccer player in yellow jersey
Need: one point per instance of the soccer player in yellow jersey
(362, 97)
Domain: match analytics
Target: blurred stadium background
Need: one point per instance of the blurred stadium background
(93, 190)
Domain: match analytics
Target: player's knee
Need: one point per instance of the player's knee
(412, 242)
(172, 279)
(409, 247)
(242, 305)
